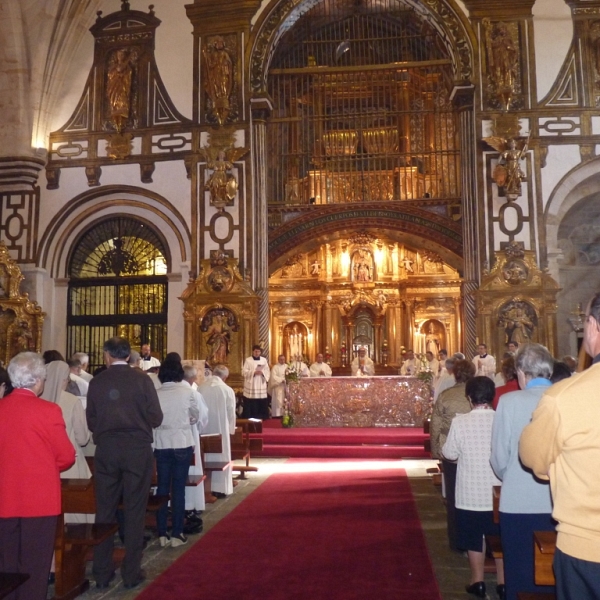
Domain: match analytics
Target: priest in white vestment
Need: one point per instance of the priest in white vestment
(320, 368)
(433, 363)
(362, 365)
(256, 374)
(485, 364)
(276, 386)
(411, 365)
(194, 496)
(300, 367)
(220, 400)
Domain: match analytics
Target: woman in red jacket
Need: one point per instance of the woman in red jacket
(34, 449)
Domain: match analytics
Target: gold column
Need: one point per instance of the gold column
(410, 324)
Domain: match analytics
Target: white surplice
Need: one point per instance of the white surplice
(277, 389)
(220, 400)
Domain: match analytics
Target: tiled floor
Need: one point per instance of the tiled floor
(451, 569)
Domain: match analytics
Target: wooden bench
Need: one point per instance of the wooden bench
(242, 444)
(73, 540)
(544, 547)
(9, 582)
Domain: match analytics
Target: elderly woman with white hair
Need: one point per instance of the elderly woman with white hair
(34, 448)
(525, 501)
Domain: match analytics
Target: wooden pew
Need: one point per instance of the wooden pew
(212, 443)
(73, 541)
(243, 445)
(544, 547)
(9, 582)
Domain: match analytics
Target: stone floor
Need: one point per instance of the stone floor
(451, 569)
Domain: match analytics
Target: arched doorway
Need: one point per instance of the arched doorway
(118, 286)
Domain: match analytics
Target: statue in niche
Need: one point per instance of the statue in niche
(219, 80)
(219, 338)
(315, 267)
(508, 173)
(432, 340)
(407, 264)
(362, 268)
(119, 78)
(502, 55)
(595, 47)
(518, 320)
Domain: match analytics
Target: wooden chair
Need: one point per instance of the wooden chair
(242, 445)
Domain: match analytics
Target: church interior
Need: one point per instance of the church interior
(312, 176)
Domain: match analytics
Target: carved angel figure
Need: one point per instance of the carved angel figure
(508, 173)
(221, 184)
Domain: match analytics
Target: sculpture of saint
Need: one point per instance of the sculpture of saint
(518, 324)
(363, 267)
(219, 338)
(315, 267)
(503, 59)
(432, 340)
(118, 86)
(219, 81)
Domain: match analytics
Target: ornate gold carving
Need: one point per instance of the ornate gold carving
(220, 156)
(119, 145)
(519, 321)
(21, 319)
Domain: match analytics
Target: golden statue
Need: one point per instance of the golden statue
(503, 59)
(219, 80)
(508, 173)
(118, 86)
(221, 184)
(518, 325)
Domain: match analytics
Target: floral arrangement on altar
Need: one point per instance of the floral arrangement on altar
(291, 373)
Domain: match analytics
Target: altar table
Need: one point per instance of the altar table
(359, 401)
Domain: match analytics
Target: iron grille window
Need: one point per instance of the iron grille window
(118, 286)
(362, 108)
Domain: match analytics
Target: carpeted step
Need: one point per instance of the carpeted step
(342, 451)
(399, 436)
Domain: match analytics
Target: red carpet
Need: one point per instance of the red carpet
(342, 442)
(317, 535)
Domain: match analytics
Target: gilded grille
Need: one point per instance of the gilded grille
(362, 109)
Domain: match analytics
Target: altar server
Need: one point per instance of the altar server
(256, 374)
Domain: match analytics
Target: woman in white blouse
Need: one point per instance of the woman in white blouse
(469, 442)
(173, 447)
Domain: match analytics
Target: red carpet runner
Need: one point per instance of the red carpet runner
(335, 535)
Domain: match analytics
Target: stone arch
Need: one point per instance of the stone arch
(443, 15)
(580, 183)
(87, 208)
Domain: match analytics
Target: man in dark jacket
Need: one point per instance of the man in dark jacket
(122, 409)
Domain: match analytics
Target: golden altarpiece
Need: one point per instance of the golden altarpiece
(364, 291)
(21, 320)
(517, 302)
(220, 316)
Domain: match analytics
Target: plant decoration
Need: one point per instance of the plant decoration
(425, 376)
(291, 373)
